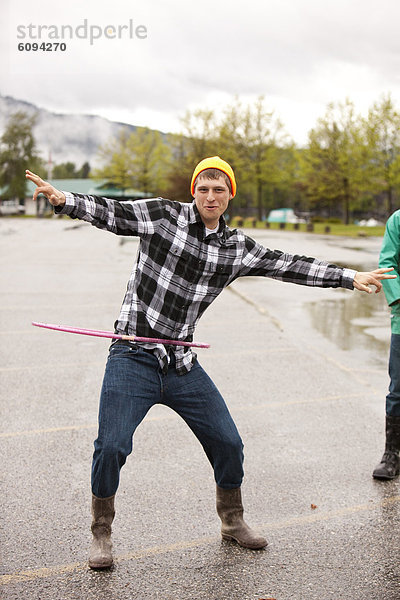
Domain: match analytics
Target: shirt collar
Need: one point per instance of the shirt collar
(194, 217)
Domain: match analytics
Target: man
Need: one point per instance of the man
(187, 255)
(388, 468)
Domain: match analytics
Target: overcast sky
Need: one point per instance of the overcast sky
(299, 54)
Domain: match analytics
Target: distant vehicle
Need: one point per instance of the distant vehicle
(369, 223)
(284, 215)
(9, 207)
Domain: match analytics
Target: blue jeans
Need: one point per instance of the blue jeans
(133, 383)
(393, 397)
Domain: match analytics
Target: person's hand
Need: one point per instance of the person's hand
(363, 279)
(54, 196)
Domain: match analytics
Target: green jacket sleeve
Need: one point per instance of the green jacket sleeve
(390, 257)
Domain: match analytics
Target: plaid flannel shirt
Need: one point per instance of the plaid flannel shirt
(180, 270)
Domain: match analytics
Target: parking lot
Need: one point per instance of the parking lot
(304, 372)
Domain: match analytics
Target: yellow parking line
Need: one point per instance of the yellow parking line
(304, 520)
(299, 401)
(44, 367)
(13, 434)
(233, 409)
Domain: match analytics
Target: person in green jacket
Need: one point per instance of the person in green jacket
(389, 466)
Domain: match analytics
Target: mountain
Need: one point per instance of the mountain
(67, 137)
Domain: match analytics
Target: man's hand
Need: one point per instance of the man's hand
(363, 280)
(54, 196)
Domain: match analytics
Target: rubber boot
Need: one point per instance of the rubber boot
(103, 512)
(230, 511)
(389, 467)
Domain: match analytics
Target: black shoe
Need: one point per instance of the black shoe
(388, 468)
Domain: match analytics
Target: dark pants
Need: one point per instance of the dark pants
(133, 383)
(393, 397)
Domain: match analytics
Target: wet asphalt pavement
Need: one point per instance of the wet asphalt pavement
(304, 372)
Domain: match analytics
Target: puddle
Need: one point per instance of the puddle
(354, 323)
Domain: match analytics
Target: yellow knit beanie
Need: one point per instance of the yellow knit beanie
(214, 162)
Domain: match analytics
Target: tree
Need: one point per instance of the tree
(383, 134)
(84, 171)
(68, 170)
(262, 134)
(230, 146)
(255, 141)
(138, 160)
(196, 141)
(199, 134)
(334, 164)
(17, 153)
(250, 139)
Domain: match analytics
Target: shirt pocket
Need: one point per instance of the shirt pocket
(167, 254)
(216, 276)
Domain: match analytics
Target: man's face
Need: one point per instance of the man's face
(212, 198)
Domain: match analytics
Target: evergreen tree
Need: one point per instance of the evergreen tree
(17, 153)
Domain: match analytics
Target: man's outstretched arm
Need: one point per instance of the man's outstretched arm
(54, 196)
(305, 270)
(129, 217)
